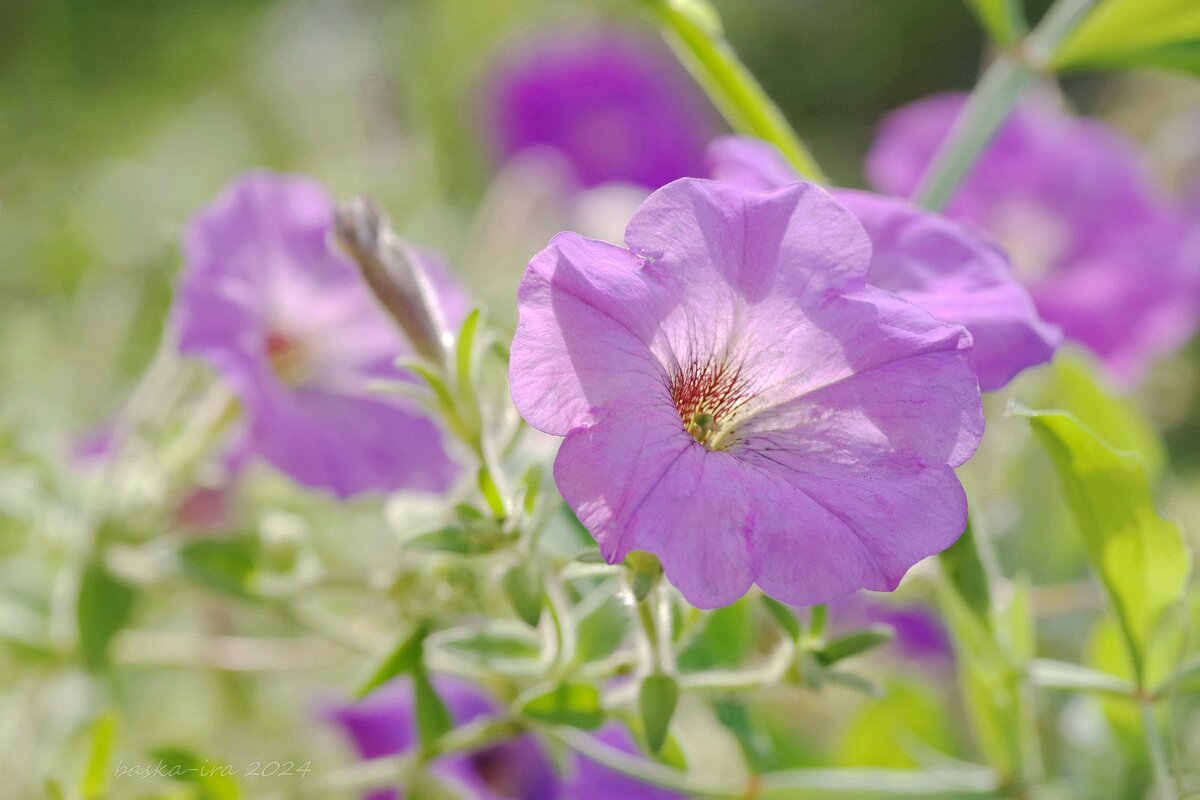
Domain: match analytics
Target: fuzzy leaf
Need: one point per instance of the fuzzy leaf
(104, 607)
(1134, 33)
(574, 704)
(1138, 556)
(656, 702)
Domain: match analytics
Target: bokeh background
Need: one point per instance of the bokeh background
(118, 119)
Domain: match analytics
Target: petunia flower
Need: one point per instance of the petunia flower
(738, 401)
(384, 724)
(940, 265)
(1103, 254)
(612, 102)
(287, 323)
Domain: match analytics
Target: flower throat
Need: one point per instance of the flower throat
(707, 396)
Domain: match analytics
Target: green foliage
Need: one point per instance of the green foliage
(488, 646)
(657, 697)
(601, 629)
(402, 659)
(433, 718)
(965, 572)
(104, 606)
(1137, 555)
(852, 644)
(1135, 33)
(94, 783)
(889, 732)
(226, 565)
(203, 775)
(784, 617)
(574, 704)
(1076, 386)
(723, 641)
(522, 585)
(1004, 20)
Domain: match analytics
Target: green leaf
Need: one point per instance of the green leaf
(887, 732)
(405, 657)
(1004, 20)
(657, 698)
(226, 565)
(645, 571)
(491, 493)
(694, 31)
(484, 647)
(531, 483)
(1132, 33)
(1051, 674)
(522, 584)
(104, 607)
(1075, 386)
(1138, 556)
(853, 644)
(187, 767)
(600, 631)
(724, 640)
(453, 539)
(433, 718)
(967, 576)
(464, 373)
(464, 355)
(100, 750)
(574, 704)
(783, 616)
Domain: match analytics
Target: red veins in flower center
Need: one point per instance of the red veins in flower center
(287, 357)
(707, 396)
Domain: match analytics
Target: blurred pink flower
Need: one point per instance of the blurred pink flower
(614, 103)
(286, 321)
(1103, 254)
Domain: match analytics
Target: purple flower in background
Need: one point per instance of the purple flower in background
(925, 258)
(286, 321)
(1102, 253)
(384, 725)
(613, 103)
(591, 781)
(736, 400)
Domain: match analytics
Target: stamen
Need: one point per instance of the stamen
(708, 397)
(287, 357)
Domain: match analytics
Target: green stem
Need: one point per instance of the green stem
(1157, 751)
(694, 31)
(994, 97)
(958, 778)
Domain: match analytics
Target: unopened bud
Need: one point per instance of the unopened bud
(395, 276)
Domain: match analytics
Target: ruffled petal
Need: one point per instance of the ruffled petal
(586, 317)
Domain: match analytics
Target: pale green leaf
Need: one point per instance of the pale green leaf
(1003, 20)
(574, 704)
(1138, 556)
(1125, 33)
(657, 697)
(104, 607)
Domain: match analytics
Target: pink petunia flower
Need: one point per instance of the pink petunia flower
(940, 265)
(613, 103)
(738, 401)
(1101, 251)
(287, 322)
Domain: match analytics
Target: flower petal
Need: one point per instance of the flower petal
(958, 278)
(348, 444)
(586, 315)
(637, 481)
